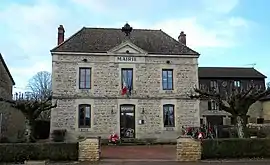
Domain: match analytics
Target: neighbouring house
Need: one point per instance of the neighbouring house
(130, 81)
(11, 120)
(220, 78)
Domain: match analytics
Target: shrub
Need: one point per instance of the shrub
(59, 135)
(235, 148)
(4, 140)
(18, 152)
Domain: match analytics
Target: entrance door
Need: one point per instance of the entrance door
(127, 121)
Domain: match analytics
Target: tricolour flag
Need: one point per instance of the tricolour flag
(124, 88)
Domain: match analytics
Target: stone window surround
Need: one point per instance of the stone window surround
(127, 66)
(84, 105)
(167, 70)
(169, 102)
(169, 105)
(172, 67)
(85, 68)
(76, 106)
(84, 65)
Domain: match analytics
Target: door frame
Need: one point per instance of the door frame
(134, 116)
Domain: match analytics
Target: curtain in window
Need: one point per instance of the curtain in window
(168, 116)
(127, 78)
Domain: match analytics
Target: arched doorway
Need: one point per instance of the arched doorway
(127, 121)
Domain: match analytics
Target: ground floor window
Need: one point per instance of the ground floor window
(84, 116)
(168, 115)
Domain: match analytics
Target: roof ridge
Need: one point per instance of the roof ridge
(120, 28)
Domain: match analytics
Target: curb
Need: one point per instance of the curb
(237, 161)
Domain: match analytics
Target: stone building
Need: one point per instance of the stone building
(221, 78)
(11, 119)
(130, 81)
(6, 80)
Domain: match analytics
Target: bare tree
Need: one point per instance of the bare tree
(40, 85)
(31, 108)
(234, 100)
(40, 88)
(268, 85)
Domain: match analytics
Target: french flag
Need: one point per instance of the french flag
(124, 88)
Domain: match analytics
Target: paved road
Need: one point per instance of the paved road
(119, 162)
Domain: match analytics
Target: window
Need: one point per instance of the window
(167, 79)
(168, 115)
(127, 78)
(85, 78)
(237, 84)
(201, 122)
(212, 105)
(213, 85)
(84, 116)
(260, 120)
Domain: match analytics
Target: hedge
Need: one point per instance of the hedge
(18, 152)
(235, 148)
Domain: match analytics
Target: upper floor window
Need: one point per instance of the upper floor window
(167, 79)
(85, 78)
(237, 83)
(168, 115)
(127, 79)
(84, 116)
(212, 105)
(214, 84)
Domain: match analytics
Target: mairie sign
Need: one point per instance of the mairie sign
(126, 59)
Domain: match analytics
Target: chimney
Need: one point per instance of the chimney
(182, 38)
(61, 34)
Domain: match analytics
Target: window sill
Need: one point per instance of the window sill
(86, 129)
(84, 90)
(167, 91)
(169, 128)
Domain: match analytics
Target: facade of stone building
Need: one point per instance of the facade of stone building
(222, 78)
(11, 119)
(132, 81)
(6, 80)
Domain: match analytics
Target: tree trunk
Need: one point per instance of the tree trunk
(29, 131)
(240, 127)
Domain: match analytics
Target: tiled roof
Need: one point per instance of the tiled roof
(6, 68)
(229, 72)
(100, 40)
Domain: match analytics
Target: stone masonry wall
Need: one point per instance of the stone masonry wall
(104, 121)
(105, 94)
(13, 122)
(188, 149)
(5, 83)
(106, 76)
(89, 149)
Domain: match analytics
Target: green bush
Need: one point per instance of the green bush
(235, 148)
(18, 152)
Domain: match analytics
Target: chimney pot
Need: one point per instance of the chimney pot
(182, 38)
(61, 34)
